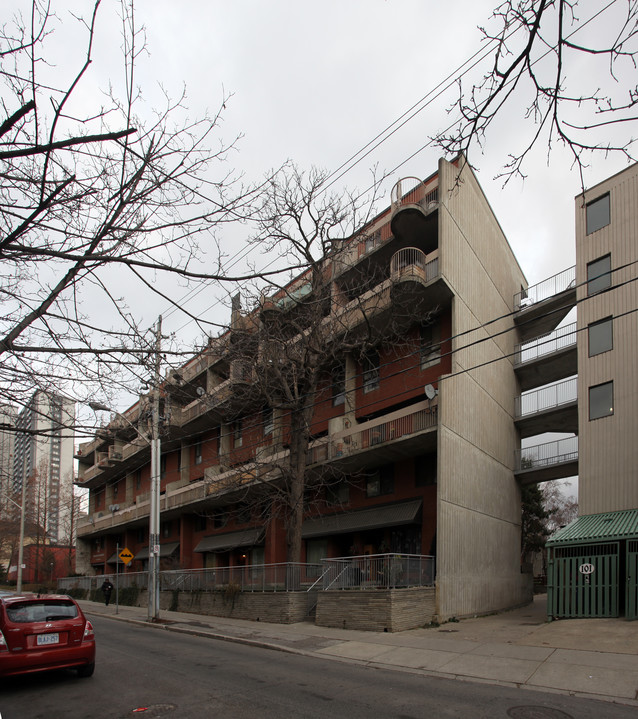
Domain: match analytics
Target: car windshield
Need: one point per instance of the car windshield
(47, 610)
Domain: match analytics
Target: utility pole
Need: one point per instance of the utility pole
(154, 516)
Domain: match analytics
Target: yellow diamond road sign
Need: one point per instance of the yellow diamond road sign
(126, 555)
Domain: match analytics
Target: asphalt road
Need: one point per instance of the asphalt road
(143, 672)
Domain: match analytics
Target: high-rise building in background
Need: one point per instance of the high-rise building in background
(43, 457)
(8, 415)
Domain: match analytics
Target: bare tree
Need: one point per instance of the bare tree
(560, 73)
(287, 351)
(95, 201)
(561, 507)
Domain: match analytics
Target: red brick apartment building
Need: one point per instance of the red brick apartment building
(420, 435)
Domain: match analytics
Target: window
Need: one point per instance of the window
(200, 523)
(370, 371)
(599, 275)
(138, 479)
(198, 451)
(338, 494)
(166, 529)
(237, 433)
(268, 420)
(141, 536)
(425, 470)
(163, 466)
(430, 347)
(338, 385)
(600, 336)
(380, 482)
(597, 214)
(601, 400)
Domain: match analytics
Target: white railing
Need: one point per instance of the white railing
(546, 344)
(547, 398)
(547, 288)
(411, 191)
(378, 571)
(547, 454)
(412, 262)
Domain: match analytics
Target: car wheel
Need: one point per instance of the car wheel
(87, 670)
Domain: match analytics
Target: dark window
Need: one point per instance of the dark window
(338, 385)
(370, 371)
(200, 522)
(163, 467)
(599, 275)
(268, 421)
(380, 482)
(138, 479)
(198, 451)
(430, 345)
(141, 536)
(338, 493)
(237, 434)
(601, 337)
(598, 214)
(166, 529)
(220, 520)
(601, 400)
(425, 470)
(243, 513)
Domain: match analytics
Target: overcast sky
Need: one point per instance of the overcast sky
(315, 82)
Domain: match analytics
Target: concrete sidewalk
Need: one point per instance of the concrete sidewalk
(594, 658)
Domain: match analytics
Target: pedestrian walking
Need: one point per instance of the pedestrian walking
(107, 588)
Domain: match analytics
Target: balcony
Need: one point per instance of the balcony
(542, 307)
(550, 460)
(393, 436)
(549, 358)
(414, 206)
(550, 409)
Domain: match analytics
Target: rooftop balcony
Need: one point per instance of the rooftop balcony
(414, 205)
(550, 460)
(550, 409)
(548, 358)
(542, 307)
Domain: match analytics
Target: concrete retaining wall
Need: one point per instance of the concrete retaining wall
(276, 607)
(379, 610)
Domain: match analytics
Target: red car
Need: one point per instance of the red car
(41, 632)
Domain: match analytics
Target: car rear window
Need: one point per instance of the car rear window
(42, 611)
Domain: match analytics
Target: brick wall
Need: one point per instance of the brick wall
(391, 610)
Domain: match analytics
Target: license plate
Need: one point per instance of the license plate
(44, 639)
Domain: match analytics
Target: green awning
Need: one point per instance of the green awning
(165, 550)
(604, 527)
(230, 540)
(392, 515)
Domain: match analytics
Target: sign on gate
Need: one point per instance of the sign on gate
(586, 568)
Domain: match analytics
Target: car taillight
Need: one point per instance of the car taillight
(89, 634)
(3, 643)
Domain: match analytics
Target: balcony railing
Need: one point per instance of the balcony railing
(547, 288)
(547, 454)
(547, 398)
(546, 344)
(373, 433)
(412, 262)
(412, 191)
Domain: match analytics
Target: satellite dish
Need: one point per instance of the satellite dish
(201, 391)
(430, 392)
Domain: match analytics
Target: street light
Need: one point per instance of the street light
(154, 511)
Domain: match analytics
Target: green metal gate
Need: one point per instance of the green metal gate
(582, 580)
(631, 594)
